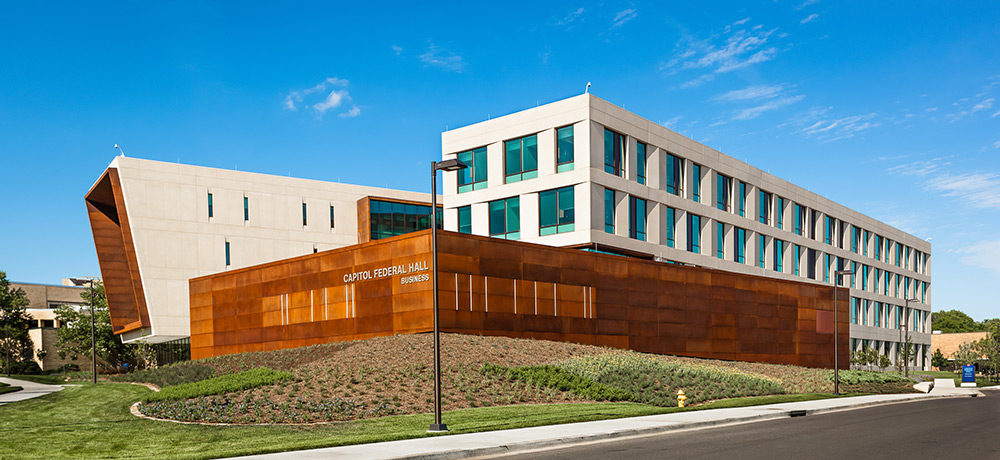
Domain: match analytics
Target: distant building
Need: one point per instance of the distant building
(949, 343)
(43, 299)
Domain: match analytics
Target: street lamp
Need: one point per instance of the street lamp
(836, 334)
(446, 165)
(906, 345)
(93, 341)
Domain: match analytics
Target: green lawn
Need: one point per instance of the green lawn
(91, 421)
(46, 379)
(980, 380)
(4, 388)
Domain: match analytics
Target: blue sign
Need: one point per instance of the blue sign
(968, 373)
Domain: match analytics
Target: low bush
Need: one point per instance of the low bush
(555, 377)
(222, 384)
(22, 367)
(165, 376)
(853, 377)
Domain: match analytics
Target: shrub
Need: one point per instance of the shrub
(223, 384)
(169, 375)
(557, 378)
(860, 377)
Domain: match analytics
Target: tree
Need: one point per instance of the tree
(967, 353)
(990, 348)
(14, 321)
(883, 362)
(949, 321)
(73, 338)
(938, 360)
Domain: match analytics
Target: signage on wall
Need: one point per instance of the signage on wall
(392, 270)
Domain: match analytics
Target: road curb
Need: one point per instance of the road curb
(569, 441)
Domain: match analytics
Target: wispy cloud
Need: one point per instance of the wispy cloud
(996, 145)
(750, 93)
(754, 112)
(806, 3)
(330, 101)
(809, 18)
(446, 60)
(623, 16)
(397, 49)
(570, 18)
(980, 190)
(351, 113)
(919, 168)
(736, 47)
(983, 255)
(985, 105)
(816, 123)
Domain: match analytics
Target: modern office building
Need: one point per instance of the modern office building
(584, 173)
(156, 225)
(43, 299)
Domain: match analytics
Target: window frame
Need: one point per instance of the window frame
(510, 206)
(522, 173)
(559, 226)
(563, 166)
(472, 158)
(617, 158)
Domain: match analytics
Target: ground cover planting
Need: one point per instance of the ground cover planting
(5, 388)
(393, 376)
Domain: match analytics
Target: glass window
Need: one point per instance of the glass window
(864, 243)
(564, 149)
(800, 219)
(465, 219)
(720, 240)
(228, 260)
(724, 192)
(854, 310)
(778, 249)
(305, 219)
(797, 257)
(855, 239)
(675, 175)
(637, 218)
(609, 211)
(332, 222)
(739, 245)
(210, 207)
(696, 183)
(670, 228)
(505, 218)
(864, 277)
(390, 219)
(760, 250)
(521, 159)
(694, 233)
(828, 231)
(780, 213)
(473, 177)
(878, 247)
(556, 210)
(826, 268)
(743, 198)
(640, 162)
(614, 153)
(764, 207)
(246, 209)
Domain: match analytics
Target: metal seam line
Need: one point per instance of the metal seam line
(536, 298)
(470, 291)
(312, 307)
(555, 303)
(486, 292)
(515, 297)
(456, 291)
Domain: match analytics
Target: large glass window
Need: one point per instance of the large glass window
(778, 249)
(696, 183)
(640, 162)
(390, 218)
(797, 258)
(828, 231)
(800, 219)
(637, 218)
(694, 233)
(764, 207)
(854, 310)
(556, 211)
(739, 245)
(675, 175)
(465, 219)
(724, 192)
(826, 268)
(564, 149)
(855, 239)
(609, 211)
(761, 245)
(671, 226)
(505, 218)
(473, 177)
(878, 247)
(864, 277)
(521, 159)
(720, 240)
(899, 253)
(614, 153)
(779, 213)
(743, 198)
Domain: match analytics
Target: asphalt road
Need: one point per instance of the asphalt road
(954, 428)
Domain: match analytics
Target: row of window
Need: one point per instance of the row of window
(246, 210)
(556, 214)
(887, 348)
(867, 312)
(520, 160)
(389, 218)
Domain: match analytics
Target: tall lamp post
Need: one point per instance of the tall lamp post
(836, 333)
(93, 335)
(446, 165)
(906, 344)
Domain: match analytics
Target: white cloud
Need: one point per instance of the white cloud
(815, 123)
(754, 112)
(983, 255)
(931, 109)
(994, 115)
(750, 93)
(397, 49)
(570, 18)
(741, 22)
(623, 16)
(996, 145)
(980, 190)
(809, 18)
(807, 3)
(739, 49)
(443, 59)
(920, 168)
(330, 101)
(698, 81)
(351, 113)
(985, 105)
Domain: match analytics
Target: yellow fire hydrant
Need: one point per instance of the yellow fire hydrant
(681, 398)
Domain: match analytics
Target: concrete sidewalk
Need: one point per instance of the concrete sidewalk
(29, 390)
(523, 439)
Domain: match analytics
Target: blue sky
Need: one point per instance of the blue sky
(888, 109)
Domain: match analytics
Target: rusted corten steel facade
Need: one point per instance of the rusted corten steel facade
(116, 254)
(497, 287)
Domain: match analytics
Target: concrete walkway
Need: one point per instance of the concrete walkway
(29, 390)
(523, 439)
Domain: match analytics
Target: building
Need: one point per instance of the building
(731, 259)
(43, 299)
(949, 343)
(156, 225)
(584, 173)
